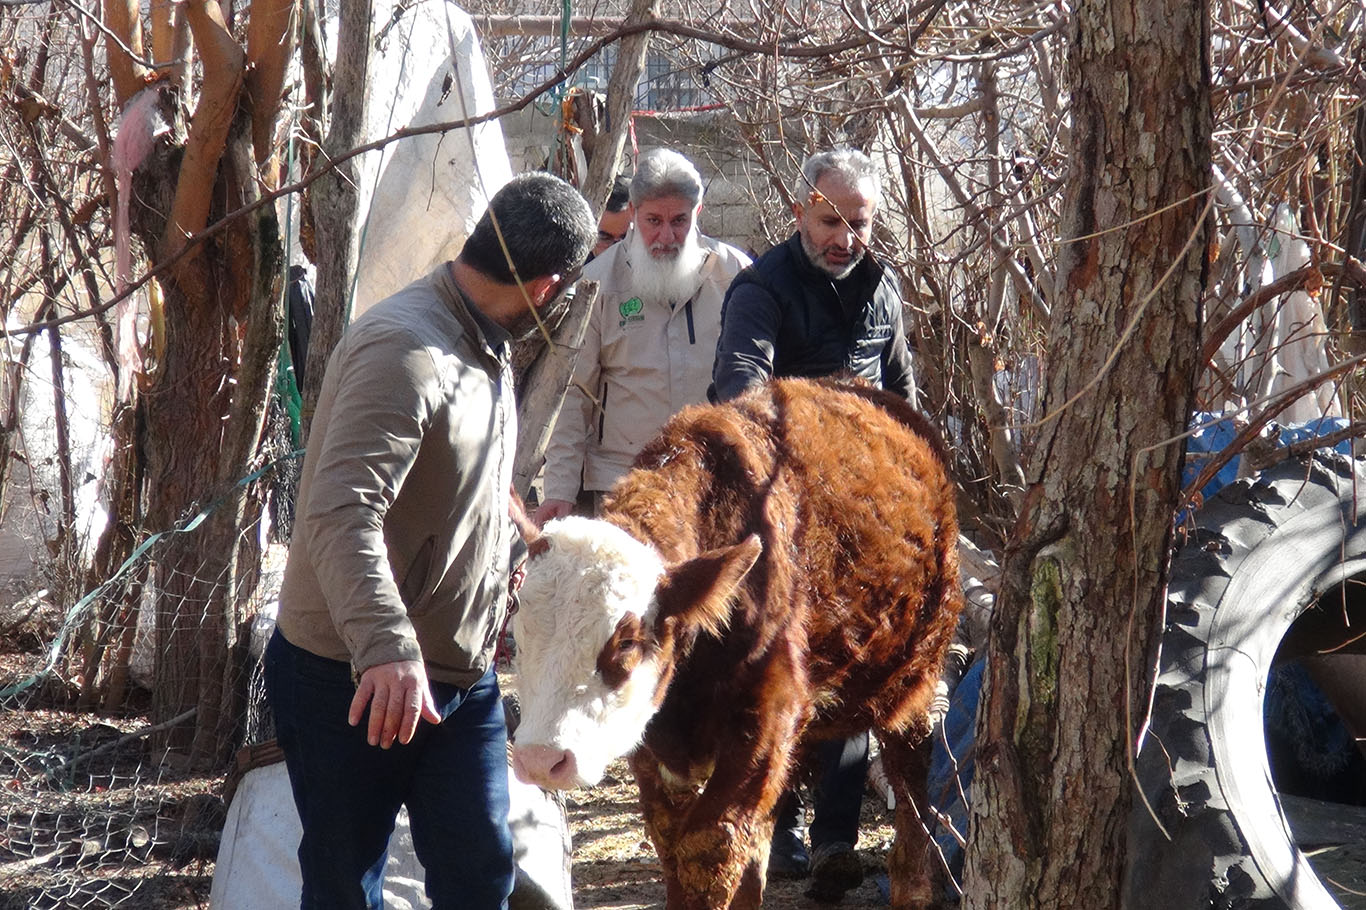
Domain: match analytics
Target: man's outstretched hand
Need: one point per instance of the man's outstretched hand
(398, 697)
(552, 508)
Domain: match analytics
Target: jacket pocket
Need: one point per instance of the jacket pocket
(867, 347)
(415, 580)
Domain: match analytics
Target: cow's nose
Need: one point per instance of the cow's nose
(545, 766)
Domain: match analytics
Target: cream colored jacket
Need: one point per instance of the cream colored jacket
(643, 361)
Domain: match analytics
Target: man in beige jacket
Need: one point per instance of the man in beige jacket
(396, 585)
(651, 338)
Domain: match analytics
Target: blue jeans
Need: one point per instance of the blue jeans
(838, 795)
(452, 777)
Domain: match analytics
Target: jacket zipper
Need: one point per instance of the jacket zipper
(602, 412)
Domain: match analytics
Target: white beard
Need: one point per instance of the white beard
(668, 279)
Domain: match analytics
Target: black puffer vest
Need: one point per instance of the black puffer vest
(821, 335)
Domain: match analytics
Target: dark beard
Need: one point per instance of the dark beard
(525, 326)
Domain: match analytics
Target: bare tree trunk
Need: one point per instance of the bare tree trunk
(105, 681)
(621, 101)
(203, 430)
(334, 199)
(66, 519)
(13, 386)
(542, 384)
(1067, 677)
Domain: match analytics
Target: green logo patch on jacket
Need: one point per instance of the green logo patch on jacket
(630, 311)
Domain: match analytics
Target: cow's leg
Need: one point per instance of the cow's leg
(724, 840)
(664, 806)
(913, 868)
(719, 848)
(750, 894)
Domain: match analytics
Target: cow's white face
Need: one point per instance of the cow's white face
(600, 617)
(587, 601)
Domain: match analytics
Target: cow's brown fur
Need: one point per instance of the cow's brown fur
(840, 626)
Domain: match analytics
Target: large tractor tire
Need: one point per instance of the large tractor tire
(1258, 556)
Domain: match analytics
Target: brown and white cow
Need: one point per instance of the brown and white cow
(775, 571)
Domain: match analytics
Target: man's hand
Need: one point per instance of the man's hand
(552, 508)
(398, 697)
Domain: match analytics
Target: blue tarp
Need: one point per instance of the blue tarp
(1214, 432)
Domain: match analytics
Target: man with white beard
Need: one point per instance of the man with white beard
(651, 337)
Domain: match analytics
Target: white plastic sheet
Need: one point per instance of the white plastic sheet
(424, 194)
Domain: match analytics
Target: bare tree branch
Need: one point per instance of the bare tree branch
(224, 64)
(270, 45)
(124, 50)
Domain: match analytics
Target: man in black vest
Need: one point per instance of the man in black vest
(820, 305)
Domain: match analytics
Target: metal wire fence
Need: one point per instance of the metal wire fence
(98, 811)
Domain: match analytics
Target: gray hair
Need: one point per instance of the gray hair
(850, 165)
(663, 172)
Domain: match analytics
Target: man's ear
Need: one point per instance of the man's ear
(542, 290)
(797, 210)
(698, 591)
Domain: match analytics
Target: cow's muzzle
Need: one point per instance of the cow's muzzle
(545, 766)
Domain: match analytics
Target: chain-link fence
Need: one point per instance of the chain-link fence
(103, 802)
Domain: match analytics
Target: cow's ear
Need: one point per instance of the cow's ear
(698, 591)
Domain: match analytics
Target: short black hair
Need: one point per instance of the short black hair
(546, 224)
(621, 194)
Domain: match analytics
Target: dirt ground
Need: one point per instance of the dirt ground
(120, 831)
(615, 866)
(89, 820)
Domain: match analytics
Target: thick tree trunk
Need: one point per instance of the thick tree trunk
(621, 101)
(542, 385)
(1067, 676)
(204, 418)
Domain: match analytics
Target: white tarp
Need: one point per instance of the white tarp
(32, 504)
(1285, 342)
(429, 192)
(258, 866)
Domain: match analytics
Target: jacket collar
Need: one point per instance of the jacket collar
(491, 338)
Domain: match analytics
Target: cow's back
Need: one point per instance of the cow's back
(855, 589)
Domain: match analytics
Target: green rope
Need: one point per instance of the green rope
(286, 383)
(287, 389)
(565, 15)
(561, 157)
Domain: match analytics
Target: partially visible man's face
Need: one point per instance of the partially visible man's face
(664, 224)
(525, 323)
(836, 244)
(612, 226)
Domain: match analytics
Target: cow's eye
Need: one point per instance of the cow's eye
(627, 645)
